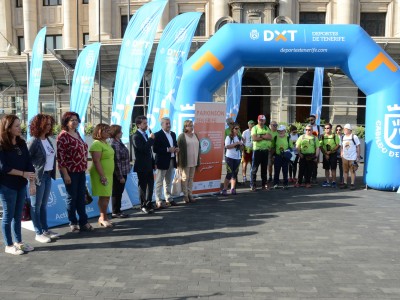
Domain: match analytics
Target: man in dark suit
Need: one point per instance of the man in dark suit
(144, 163)
(165, 147)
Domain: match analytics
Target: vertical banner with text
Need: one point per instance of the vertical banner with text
(35, 75)
(316, 100)
(210, 128)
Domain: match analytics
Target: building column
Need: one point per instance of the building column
(237, 12)
(70, 24)
(286, 9)
(396, 19)
(346, 11)
(221, 9)
(105, 19)
(30, 23)
(269, 13)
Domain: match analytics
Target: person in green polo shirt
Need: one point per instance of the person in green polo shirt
(261, 137)
(308, 148)
(329, 143)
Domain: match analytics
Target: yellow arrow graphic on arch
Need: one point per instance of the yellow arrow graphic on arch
(210, 58)
(381, 59)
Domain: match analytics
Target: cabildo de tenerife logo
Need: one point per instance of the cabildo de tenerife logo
(390, 130)
(274, 35)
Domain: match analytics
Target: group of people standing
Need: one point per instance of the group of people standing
(286, 151)
(26, 170)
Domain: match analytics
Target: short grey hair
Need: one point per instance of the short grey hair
(165, 119)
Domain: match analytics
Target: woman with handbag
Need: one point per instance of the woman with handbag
(15, 170)
(188, 159)
(72, 153)
(44, 160)
(121, 170)
(101, 172)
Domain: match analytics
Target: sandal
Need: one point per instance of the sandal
(104, 223)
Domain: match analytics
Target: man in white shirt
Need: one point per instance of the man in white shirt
(350, 153)
(248, 149)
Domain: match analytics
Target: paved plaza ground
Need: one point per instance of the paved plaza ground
(318, 243)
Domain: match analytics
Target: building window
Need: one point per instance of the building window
(124, 24)
(53, 42)
(312, 17)
(373, 23)
(18, 3)
(21, 44)
(52, 2)
(85, 1)
(85, 38)
(201, 27)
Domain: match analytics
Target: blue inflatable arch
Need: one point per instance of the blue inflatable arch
(347, 47)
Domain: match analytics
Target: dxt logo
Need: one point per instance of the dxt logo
(276, 35)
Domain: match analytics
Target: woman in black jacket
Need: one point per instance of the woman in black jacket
(15, 170)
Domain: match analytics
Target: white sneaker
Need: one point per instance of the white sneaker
(24, 247)
(41, 238)
(13, 250)
(51, 234)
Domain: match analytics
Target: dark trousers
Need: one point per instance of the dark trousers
(118, 189)
(146, 186)
(280, 163)
(305, 169)
(339, 161)
(259, 157)
(293, 167)
(76, 192)
(314, 171)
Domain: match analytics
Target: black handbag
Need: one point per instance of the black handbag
(88, 197)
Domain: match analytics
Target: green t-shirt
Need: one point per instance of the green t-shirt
(307, 144)
(331, 140)
(264, 144)
(281, 144)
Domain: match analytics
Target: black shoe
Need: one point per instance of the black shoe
(352, 187)
(253, 188)
(344, 186)
(270, 179)
(145, 210)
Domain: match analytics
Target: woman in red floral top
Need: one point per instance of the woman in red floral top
(72, 153)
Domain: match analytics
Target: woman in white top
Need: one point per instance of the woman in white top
(293, 165)
(43, 158)
(188, 158)
(234, 147)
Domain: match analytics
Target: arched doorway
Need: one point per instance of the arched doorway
(304, 96)
(256, 99)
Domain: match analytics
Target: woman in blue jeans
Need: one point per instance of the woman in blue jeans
(15, 170)
(43, 158)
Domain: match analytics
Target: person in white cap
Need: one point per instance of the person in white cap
(350, 153)
(281, 146)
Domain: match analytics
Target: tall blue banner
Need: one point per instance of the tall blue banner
(316, 102)
(135, 51)
(35, 75)
(233, 94)
(172, 53)
(82, 82)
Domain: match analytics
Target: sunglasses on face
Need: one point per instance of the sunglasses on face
(236, 128)
(275, 125)
(308, 129)
(327, 128)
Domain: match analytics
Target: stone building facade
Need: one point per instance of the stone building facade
(71, 24)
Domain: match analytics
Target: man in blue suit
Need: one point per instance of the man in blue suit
(165, 147)
(144, 164)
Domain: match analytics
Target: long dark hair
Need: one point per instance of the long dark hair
(6, 123)
(231, 135)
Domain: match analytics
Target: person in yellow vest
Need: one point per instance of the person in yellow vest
(308, 148)
(261, 137)
(329, 143)
(281, 149)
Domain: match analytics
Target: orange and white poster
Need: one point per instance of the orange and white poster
(209, 126)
